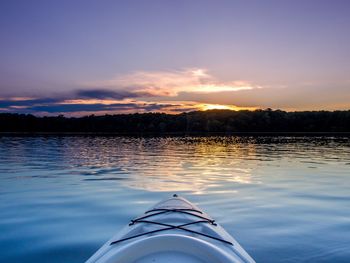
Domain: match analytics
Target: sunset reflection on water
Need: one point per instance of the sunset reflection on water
(273, 194)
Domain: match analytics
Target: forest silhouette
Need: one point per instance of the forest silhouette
(211, 121)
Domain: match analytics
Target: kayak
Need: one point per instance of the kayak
(174, 230)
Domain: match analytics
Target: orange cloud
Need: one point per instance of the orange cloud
(142, 91)
(171, 83)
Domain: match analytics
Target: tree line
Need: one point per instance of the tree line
(211, 121)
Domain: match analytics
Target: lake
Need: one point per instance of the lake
(285, 199)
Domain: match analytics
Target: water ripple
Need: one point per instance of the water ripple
(276, 195)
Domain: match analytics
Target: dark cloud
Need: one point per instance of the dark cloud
(68, 108)
(56, 106)
(71, 108)
(79, 94)
(28, 102)
(110, 94)
(105, 94)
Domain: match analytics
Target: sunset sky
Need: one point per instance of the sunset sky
(95, 57)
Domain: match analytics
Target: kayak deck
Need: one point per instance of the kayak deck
(174, 230)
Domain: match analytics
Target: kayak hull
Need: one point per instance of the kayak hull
(174, 230)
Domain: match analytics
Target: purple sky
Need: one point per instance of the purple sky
(81, 57)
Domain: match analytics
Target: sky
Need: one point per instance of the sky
(75, 57)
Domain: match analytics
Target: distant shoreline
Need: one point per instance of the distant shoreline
(176, 134)
(197, 123)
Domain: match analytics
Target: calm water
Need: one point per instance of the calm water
(284, 199)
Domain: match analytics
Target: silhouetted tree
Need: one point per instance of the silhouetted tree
(192, 122)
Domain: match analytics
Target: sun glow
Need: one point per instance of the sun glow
(167, 106)
(223, 107)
